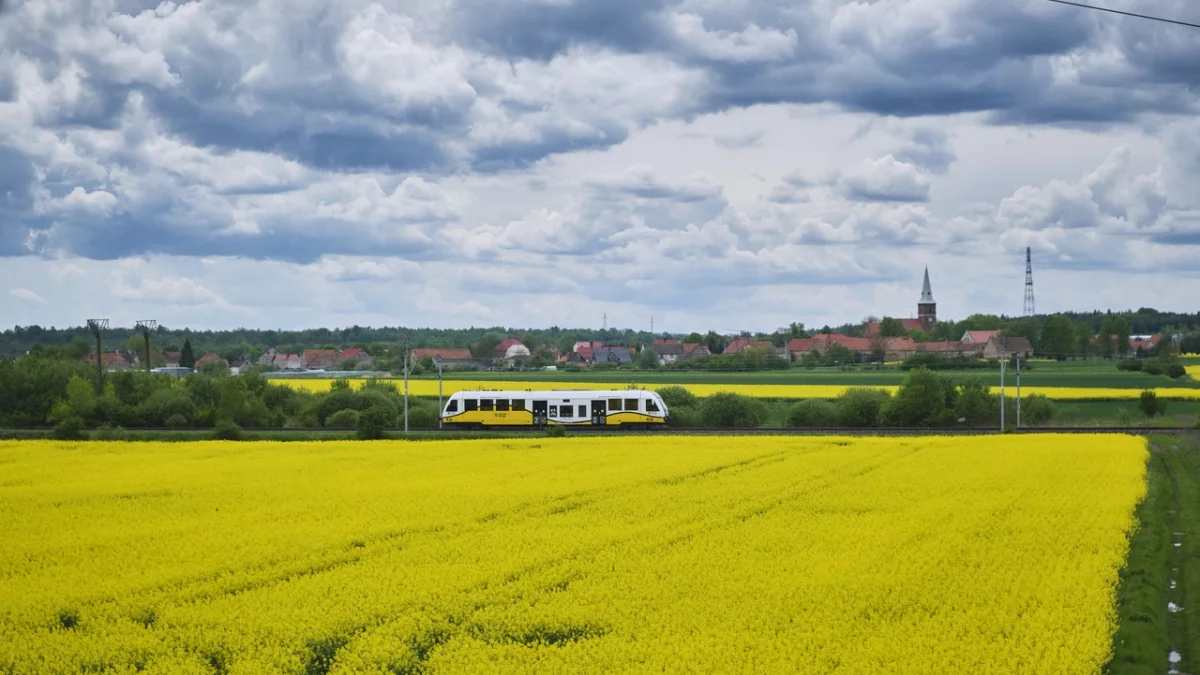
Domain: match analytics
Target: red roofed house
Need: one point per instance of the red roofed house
(171, 359)
(738, 345)
(318, 359)
(357, 353)
(909, 325)
(447, 355)
(694, 349)
(979, 336)
(110, 360)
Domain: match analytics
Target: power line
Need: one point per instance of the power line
(1117, 11)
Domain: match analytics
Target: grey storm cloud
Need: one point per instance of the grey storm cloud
(442, 90)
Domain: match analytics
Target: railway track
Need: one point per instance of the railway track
(667, 431)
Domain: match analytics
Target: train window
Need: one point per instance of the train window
(518, 404)
(614, 405)
(502, 404)
(452, 406)
(651, 406)
(470, 405)
(565, 410)
(486, 404)
(631, 404)
(554, 411)
(583, 411)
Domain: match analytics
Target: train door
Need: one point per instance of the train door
(599, 412)
(539, 413)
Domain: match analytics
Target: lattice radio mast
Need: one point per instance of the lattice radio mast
(1029, 308)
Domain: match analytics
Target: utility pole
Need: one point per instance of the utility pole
(145, 326)
(1018, 359)
(1002, 394)
(405, 389)
(437, 361)
(97, 326)
(605, 326)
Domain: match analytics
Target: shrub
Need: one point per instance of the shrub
(1176, 371)
(976, 406)
(1129, 365)
(813, 412)
(675, 396)
(166, 404)
(1036, 409)
(422, 415)
(227, 430)
(684, 416)
(177, 420)
(372, 423)
(732, 410)
(1066, 414)
(1153, 368)
(859, 406)
(343, 419)
(69, 429)
(920, 402)
(1150, 404)
(556, 431)
(106, 432)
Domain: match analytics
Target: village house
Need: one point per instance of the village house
(1000, 347)
(448, 356)
(693, 349)
(318, 359)
(667, 350)
(617, 355)
(741, 344)
(356, 354)
(511, 351)
(979, 336)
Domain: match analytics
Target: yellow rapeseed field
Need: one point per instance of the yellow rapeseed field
(796, 391)
(640, 554)
(1193, 371)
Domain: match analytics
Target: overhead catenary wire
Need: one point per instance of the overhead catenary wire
(1123, 13)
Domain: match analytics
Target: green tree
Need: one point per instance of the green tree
(890, 327)
(714, 342)
(976, 406)
(860, 407)
(540, 359)
(1083, 339)
(920, 402)
(79, 401)
(1058, 338)
(812, 412)
(187, 357)
(486, 344)
(1151, 405)
(1120, 328)
(647, 359)
(676, 396)
(918, 335)
(693, 339)
(797, 330)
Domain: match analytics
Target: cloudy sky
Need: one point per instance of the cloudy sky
(715, 164)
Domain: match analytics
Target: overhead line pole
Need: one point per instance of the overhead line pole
(145, 326)
(97, 326)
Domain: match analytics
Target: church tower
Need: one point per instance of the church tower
(927, 308)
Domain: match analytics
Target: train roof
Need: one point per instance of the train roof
(555, 393)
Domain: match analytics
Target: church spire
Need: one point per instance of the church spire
(926, 290)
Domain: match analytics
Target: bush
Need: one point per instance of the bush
(343, 419)
(422, 415)
(684, 416)
(976, 406)
(675, 396)
(1129, 365)
(106, 432)
(1150, 404)
(556, 431)
(1037, 409)
(920, 402)
(859, 406)
(177, 421)
(165, 404)
(372, 423)
(69, 429)
(732, 410)
(813, 412)
(227, 430)
(1153, 368)
(1176, 371)
(1067, 414)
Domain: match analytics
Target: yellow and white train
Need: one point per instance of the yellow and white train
(477, 409)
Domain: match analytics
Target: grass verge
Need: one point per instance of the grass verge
(1169, 514)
